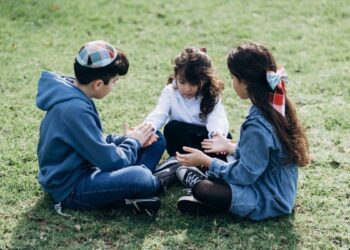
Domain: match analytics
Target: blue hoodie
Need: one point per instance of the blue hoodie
(71, 141)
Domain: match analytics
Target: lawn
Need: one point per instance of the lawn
(309, 38)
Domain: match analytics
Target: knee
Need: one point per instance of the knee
(144, 182)
(200, 190)
(171, 127)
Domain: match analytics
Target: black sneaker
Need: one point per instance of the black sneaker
(149, 206)
(166, 164)
(190, 205)
(190, 176)
(167, 174)
(187, 191)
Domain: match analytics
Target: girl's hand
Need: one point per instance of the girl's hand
(194, 157)
(152, 139)
(143, 133)
(218, 144)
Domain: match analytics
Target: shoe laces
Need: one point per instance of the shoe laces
(192, 178)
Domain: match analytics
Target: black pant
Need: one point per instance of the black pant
(178, 134)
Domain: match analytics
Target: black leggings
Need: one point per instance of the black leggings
(215, 194)
(178, 134)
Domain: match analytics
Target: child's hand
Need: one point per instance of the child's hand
(125, 128)
(218, 144)
(194, 157)
(143, 133)
(152, 139)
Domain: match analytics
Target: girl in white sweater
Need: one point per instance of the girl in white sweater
(190, 105)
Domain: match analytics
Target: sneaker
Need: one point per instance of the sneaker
(167, 175)
(187, 191)
(149, 206)
(190, 205)
(172, 160)
(190, 176)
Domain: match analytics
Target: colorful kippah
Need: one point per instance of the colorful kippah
(96, 54)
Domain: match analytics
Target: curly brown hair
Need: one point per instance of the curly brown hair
(249, 62)
(194, 65)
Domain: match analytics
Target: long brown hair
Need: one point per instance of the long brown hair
(194, 65)
(248, 63)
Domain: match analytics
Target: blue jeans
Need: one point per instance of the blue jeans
(98, 189)
(151, 155)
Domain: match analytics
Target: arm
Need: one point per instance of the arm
(217, 120)
(161, 113)
(255, 145)
(116, 139)
(84, 135)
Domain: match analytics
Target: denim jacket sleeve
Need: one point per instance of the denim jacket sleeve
(254, 151)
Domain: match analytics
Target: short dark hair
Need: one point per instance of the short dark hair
(119, 66)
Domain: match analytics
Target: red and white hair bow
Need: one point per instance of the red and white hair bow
(277, 81)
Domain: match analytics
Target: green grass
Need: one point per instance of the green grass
(310, 38)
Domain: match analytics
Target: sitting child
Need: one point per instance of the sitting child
(78, 166)
(190, 105)
(261, 181)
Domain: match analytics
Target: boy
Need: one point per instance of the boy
(78, 166)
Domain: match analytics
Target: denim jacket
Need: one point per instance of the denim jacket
(262, 181)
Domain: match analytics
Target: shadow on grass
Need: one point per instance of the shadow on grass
(43, 228)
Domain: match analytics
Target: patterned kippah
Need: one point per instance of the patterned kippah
(96, 54)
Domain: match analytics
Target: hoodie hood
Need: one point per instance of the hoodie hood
(54, 89)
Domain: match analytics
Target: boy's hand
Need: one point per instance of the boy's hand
(194, 157)
(143, 133)
(126, 129)
(218, 144)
